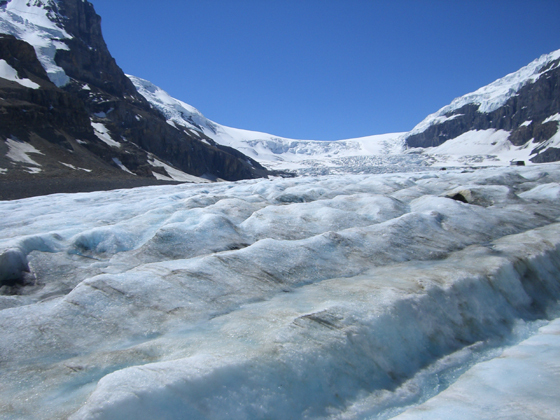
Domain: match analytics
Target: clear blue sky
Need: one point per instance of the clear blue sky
(325, 69)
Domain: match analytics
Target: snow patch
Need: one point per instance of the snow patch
(18, 152)
(102, 134)
(33, 170)
(121, 165)
(74, 167)
(9, 73)
(482, 147)
(174, 174)
(555, 117)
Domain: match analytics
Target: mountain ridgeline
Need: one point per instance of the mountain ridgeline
(71, 120)
(82, 118)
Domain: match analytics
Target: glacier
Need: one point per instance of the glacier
(378, 153)
(427, 294)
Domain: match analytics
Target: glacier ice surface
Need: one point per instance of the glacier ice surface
(341, 296)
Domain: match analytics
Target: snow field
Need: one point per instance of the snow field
(321, 297)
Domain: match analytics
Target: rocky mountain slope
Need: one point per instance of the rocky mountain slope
(518, 113)
(67, 111)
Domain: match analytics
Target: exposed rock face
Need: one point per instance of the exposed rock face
(97, 125)
(89, 60)
(524, 115)
(21, 56)
(24, 109)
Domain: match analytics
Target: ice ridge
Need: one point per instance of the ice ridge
(357, 338)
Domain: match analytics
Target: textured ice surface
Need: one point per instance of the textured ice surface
(353, 296)
(524, 378)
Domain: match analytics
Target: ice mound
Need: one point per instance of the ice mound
(13, 264)
(353, 296)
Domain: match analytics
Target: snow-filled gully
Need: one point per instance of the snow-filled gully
(333, 297)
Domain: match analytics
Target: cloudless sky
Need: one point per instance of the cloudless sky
(325, 69)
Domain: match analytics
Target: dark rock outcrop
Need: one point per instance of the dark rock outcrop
(89, 60)
(21, 56)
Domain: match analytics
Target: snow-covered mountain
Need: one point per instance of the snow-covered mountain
(40, 24)
(272, 151)
(514, 118)
(125, 128)
(70, 115)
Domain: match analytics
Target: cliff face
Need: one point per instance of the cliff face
(94, 119)
(88, 60)
(528, 115)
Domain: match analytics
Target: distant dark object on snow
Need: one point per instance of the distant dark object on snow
(517, 163)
